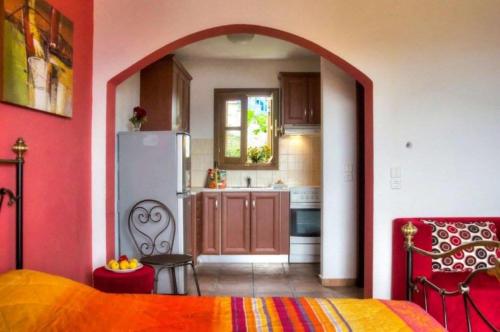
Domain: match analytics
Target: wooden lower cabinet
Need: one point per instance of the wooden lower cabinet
(238, 223)
(211, 223)
(265, 223)
(235, 222)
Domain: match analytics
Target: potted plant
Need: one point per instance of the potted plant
(138, 118)
(259, 154)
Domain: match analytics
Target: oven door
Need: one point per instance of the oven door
(305, 221)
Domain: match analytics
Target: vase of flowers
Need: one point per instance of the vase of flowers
(259, 154)
(138, 118)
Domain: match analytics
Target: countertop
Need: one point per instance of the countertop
(239, 189)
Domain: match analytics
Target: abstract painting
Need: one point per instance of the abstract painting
(36, 57)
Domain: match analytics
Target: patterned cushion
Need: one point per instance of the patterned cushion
(446, 236)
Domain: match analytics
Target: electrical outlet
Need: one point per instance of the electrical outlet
(349, 177)
(395, 183)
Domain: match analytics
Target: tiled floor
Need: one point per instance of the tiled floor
(266, 280)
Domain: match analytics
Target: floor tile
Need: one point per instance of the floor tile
(276, 285)
(235, 286)
(236, 268)
(305, 285)
(268, 279)
(347, 292)
(268, 269)
(222, 278)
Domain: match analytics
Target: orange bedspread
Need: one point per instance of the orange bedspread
(35, 301)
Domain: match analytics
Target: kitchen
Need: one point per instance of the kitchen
(253, 111)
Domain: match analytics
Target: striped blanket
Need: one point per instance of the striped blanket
(35, 301)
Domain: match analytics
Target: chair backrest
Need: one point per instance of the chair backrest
(152, 227)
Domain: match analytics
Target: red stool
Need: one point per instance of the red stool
(138, 282)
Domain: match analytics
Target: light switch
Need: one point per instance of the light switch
(396, 172)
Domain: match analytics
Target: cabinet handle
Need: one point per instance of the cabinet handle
(246, 203)
(216, 204)
(311, 112)
(253, 203)
(305, 112)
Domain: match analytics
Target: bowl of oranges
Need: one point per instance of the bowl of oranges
(123, 265)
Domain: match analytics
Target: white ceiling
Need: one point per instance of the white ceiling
(260, 47)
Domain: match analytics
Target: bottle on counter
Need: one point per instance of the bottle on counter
(217, 178)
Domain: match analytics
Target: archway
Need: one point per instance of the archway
(356, 74)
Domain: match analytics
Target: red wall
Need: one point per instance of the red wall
(57, 171)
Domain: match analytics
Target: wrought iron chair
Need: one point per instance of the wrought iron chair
(152, 227)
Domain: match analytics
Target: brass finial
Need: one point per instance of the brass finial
(409, 230)
(20, 148)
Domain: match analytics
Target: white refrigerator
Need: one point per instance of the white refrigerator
(155, 165)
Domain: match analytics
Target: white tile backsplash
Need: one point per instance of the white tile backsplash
(234, 179)
(300, 163)
(264, 178)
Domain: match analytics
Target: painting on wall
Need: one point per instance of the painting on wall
(36, 57)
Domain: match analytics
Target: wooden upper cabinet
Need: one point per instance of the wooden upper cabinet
(300, 98)
(265, 237)
(165, 93)
(314, 98)
(295, 104)
(211, 222)
(235, 222)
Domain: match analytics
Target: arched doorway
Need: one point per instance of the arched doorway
(363, 80)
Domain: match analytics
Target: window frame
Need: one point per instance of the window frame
(220, 97)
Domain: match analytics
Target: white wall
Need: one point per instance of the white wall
(210, 74)
(339, 209)
(436, 72)
(128, 96)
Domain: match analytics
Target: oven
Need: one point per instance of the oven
(305, 224)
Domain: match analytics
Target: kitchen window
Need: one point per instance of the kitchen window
(245, 128)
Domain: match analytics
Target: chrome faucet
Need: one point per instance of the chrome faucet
(249, 181)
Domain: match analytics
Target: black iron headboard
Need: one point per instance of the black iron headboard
(19, 149)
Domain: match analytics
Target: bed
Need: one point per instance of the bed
(36, 301)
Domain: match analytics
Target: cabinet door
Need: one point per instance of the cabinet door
(265, 230)
(314, 99)
(235, 221)
(211, 223)
(185, 108)
(177, 99)
(180, 106)
(156, 95)
(295, 103)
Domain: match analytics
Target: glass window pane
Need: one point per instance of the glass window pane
(233, 143)
(233, 113)
(259, 120)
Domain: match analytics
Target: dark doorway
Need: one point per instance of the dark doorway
(360, 124)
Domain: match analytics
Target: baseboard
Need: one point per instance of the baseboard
(243, 259)
(338, 282)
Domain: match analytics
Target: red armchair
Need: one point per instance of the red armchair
(484, 289)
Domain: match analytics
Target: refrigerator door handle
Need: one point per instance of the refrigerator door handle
(180, 165)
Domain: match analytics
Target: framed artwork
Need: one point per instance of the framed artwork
(36, 58)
